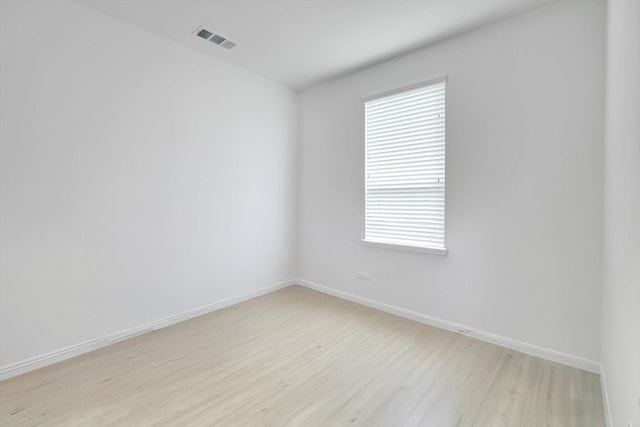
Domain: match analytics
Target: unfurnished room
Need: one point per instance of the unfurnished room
(320, 213)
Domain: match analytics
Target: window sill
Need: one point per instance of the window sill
(395, 247)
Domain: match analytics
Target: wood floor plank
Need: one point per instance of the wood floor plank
(300, 358)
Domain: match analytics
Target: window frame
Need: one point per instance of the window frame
(397, 246)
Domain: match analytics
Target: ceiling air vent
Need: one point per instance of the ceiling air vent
(227, 44)
(215, 38)
(204, 34)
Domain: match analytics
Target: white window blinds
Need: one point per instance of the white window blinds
(404, 167)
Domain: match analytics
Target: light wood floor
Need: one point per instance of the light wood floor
(300, 358)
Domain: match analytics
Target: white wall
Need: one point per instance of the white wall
(621, 288)
(138, 179)
(524, 181)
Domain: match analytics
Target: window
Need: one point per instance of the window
(405, 169)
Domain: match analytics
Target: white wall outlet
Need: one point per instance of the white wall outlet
(363, 276)
(630, 424)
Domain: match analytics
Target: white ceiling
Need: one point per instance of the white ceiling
(301, 42)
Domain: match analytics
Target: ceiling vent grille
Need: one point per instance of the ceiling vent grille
(214, 38)
(204, 34)
(228, 44)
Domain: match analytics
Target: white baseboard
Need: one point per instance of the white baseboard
(59, 355)
(605, 397)
(543, 353)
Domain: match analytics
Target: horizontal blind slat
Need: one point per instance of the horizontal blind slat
(405, 130)
(395, 101)
(411, 234)
(384, 144)
(410, 154)
(422, 137)
(407, 116)
(408, 165)
(381, 122)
